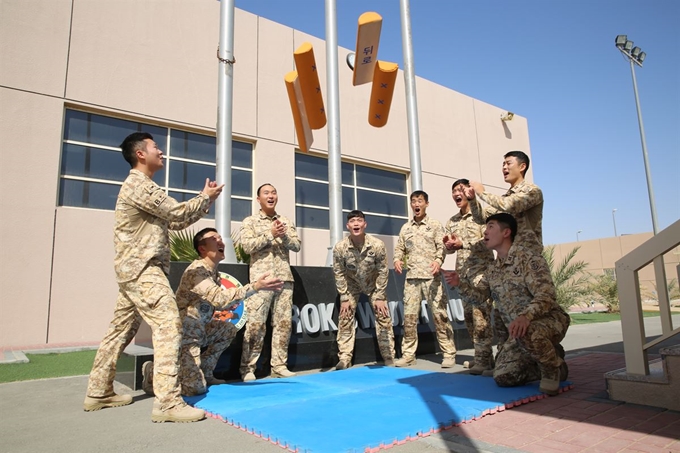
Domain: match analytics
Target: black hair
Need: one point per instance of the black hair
(418, 193)
(505, 220)
(260, 188)
(198, 237)
(355, 213)
(521, 157)
(131, 144)
(462, 181)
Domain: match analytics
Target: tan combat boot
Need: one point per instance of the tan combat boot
(182, 413)
(96, 403)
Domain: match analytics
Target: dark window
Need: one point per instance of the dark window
(93, 168)
(381, 194)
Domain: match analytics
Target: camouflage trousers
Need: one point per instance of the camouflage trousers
(415, 291)
(499, 327)
(477, 306)
(347, 332)
(150, 298)
(196, 367)
(523, 360)
(258, 307)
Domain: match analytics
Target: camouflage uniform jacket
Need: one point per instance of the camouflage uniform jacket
(525, 202)
(361, 271)
(144, 213)
(200, 292)
(474, 257)
(267, 253)
(421, 243)
(521, 284)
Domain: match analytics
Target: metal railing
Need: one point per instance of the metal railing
(635, 345)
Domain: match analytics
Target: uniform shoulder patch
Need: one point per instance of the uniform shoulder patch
(157, 195)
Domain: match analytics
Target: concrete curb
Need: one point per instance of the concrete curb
(13, 357)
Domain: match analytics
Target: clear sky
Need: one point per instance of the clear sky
(555, 63)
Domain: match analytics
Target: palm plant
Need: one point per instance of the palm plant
(241, 256)
(182, 246)
(672, 286)
(570, 278)
(605, 287)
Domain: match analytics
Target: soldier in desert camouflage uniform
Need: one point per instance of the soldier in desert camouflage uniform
(199, 294)
(268, 237)
(360, 266)
(521, 286)
(143, 215)
(464, 237)
(523, 200)
(421, 243)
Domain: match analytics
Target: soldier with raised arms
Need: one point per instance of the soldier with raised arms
(523, 200)
(144, 213)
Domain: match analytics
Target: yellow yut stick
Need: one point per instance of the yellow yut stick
(384, 79)
(297, 106)
(310, 86)
(366, 55)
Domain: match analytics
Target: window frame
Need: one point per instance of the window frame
(170, 159)
(355, 187)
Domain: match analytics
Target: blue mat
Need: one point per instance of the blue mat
(359, 409)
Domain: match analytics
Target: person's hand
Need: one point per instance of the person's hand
(434, 268)
(477, 187)
(344, 309)
(212, 190)
(397, 266)
(452, 278)
(267, 283)
(452, 242)
(278, 229)
(469, 193)
(381, 308)
(518, 327)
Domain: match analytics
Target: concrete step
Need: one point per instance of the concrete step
(129, 367)
(660, 388)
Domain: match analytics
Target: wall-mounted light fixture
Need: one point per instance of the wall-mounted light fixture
(507, 117)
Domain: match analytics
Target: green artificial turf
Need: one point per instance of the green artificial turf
(43, 366)
(589, 318)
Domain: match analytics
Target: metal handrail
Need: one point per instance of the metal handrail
(634, 340)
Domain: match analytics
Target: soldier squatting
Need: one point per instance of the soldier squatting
(515, 289)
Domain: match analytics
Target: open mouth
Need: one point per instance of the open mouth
(416, 210)
(221, 249)
(458, 198)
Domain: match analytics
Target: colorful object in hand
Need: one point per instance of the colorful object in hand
(236, 314)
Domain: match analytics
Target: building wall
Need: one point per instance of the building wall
(602, 254)
(155, 62)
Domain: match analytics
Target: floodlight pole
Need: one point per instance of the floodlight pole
(650, 190)
(659, 266)
(333, 113)
(411, 98)
(225, 88)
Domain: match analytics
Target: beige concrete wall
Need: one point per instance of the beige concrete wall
(34, 45)
(601, 254)
(30, 137)
(155, 62)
